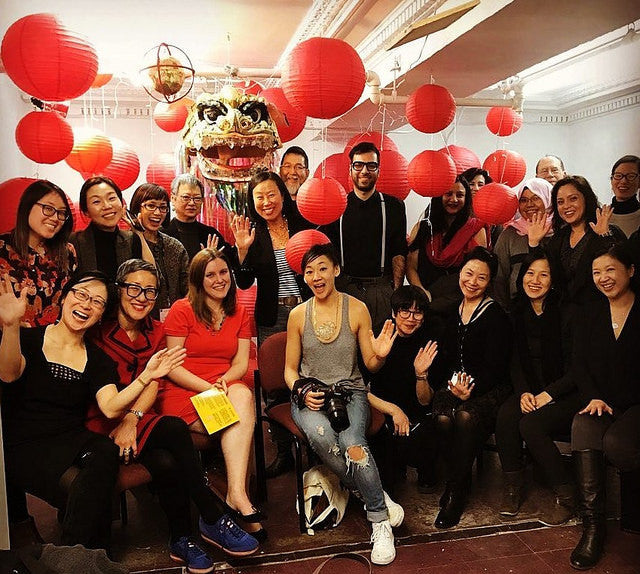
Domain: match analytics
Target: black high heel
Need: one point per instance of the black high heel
(255, 516)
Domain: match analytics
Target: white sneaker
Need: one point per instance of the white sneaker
(396, 512)
(384, 551)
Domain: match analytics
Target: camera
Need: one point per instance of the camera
(335, 400)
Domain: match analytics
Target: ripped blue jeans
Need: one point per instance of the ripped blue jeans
(358, 474)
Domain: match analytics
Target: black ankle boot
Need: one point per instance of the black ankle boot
(282, 463)
(590, 476)
(452, 506)
(513, 492)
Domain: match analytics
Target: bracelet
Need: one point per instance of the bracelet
(142, 382)
(421, 377)
(139, 414)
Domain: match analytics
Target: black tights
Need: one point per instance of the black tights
(461, 439)
(172, 461)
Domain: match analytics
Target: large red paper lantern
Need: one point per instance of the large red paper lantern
(323, 77)
(10, 193)
(463, 157)
(291, 125)
(380, 140)
(321, 200)
(503, 121)
(431, 108)
(495, 203)
(162, 171)
(431, 173)
(338, 167)
(124, 167)
(393, 178)
(44, 137)
(505, 166)
(92, 151)
(299, 244)
(48, 61)
(170, 117)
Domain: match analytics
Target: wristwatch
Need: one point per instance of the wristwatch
(138, 414)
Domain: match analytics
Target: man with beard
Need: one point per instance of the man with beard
(294, 169)
(370, 237)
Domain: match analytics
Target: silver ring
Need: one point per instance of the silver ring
(127, 450)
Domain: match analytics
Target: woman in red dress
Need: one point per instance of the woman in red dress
(215, 331)
(161, 443)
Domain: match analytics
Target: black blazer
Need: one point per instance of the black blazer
(260, 264)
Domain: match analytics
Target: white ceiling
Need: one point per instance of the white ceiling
(495, 40)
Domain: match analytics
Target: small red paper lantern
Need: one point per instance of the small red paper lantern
(463, 157)
(431, 108)
(247, 298)
(321, 201)
(294, 119)
(162, 171)
(495, 203)
(48, 61)
(505, 166)
(101, 80)
(170, 117)
(10, 193)
(431, 173)
(503, 121)
(44, 137)
(380, 140)
(92, 151)
(336, 166)
(124, 167)
(299, 244)
(393, 178)
(323, 77)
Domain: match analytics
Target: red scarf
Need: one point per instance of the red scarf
(462, 242)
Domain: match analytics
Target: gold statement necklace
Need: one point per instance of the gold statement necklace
(326, 330)
(279, 233)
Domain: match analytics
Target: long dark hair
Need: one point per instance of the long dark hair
(197, 296)
(590, 200)
(288, 207)
(57, 245)
(436, 221)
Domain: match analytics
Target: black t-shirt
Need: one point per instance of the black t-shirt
(38, 405)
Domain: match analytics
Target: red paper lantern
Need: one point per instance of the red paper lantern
(321, 201)
(431, 173)
(336, 166)
(505, 166)
(463, 157)
(10, 193)
(323, 77)
(294, 119)
(495, 203)
(101, 80)
(170, 117)
(431, 108)
(162, 171)
(124, 167)
(299, 244)
(247, 86)
(44, 137)
(393, 178)
(503, 121)
(48, 61)
(380, 140)
(92, 151)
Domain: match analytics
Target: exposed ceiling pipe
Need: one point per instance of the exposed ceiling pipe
(234, 72)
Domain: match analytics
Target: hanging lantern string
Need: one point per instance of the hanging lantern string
(323, 135)
(104, 112)
(116, 104)
(384, 119)
(152, 132)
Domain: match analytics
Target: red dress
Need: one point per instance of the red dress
(131, 358)
(209, 354)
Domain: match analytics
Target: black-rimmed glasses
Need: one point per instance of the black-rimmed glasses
(133, 290)
(96, 302)
(370, 165)
(628, 176)
(50, 211)
(406, 313)
(155, 207)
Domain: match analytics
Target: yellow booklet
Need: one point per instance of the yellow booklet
(215, 410)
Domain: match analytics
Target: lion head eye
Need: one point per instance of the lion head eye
(256, 111)
(212, 112)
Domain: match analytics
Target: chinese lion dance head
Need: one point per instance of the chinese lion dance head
(228, 138)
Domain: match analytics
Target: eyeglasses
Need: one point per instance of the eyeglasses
(154, 207)
(527, 200)
(133, 290)
(96, 302)
(197, 199)
(296, 167)
(50, 211)
(360, 165)
(406, 313)
(620, 176)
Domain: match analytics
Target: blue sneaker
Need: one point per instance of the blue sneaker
(226, 534)
(186, 551)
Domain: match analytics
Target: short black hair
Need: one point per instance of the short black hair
(297, 150)
(626, 159)
(472, 172)
(96, 180)
(318, 250)
(483, 254)
(406, 296)
(145, 192)
(364, 147)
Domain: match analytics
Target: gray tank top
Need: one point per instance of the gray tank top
(334, 361)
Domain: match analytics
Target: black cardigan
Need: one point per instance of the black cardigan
(260, 264)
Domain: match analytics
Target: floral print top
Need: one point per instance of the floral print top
(42, 277)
